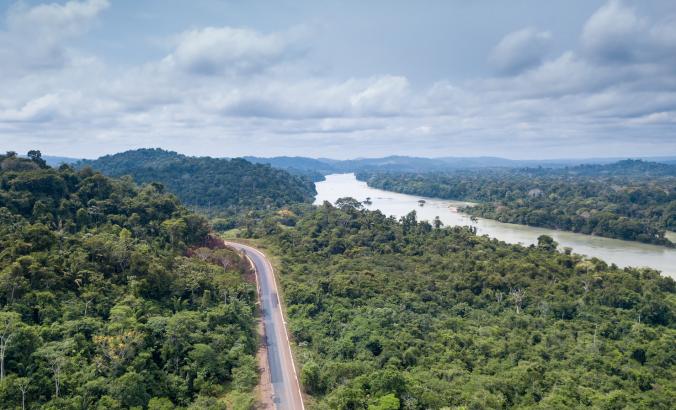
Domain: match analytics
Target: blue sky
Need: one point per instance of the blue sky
(518, 79)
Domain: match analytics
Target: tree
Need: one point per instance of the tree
(22, 384)
(160, 403)
(9, 322)
(207, 403)
(387, 402)
(203, 359)
(176, 228)
(130, 390)
(56, 356)
(517, 295)
(117, 348)
(36, 156)
(242, 401)
(244, 376)
(547, 243)
(310, 377)
(408, 221)
(348, 204)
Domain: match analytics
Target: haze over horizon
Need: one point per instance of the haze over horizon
(657, 158)
(578, 79)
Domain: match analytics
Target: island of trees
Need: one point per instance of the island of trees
(114, 296)
(631, 200)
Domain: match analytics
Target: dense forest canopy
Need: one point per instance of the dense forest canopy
(632, 200)
(391, 314)
(113, 296)
(318, 167)
(209, 183)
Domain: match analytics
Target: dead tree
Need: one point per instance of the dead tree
(22, 383)
(8, 324)
(517, 295)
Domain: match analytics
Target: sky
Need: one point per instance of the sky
(523, 79)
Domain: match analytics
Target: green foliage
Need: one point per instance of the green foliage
(114, 296)
(241, 401)
(397, 314)
(388, 402)
(245, 376)
(207, 403)
(130, 389)
(310, 378)
(632, 200)
(161, 403)
(211, 184)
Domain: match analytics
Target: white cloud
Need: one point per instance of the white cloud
(227, 50)
(617, 34)
(386, 96)
(36, 110)
(61, 20)
(36, 37)
(308, 99)
(520, 50)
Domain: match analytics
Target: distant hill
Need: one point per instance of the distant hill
(314, 169)
(54, 161)
(209, 182)
(324, 166)
(298, 163)
(628, 167)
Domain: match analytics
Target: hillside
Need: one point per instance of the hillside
(325, 166)
(101, 304)
(402, 315)
(209, 183)
(311, 168)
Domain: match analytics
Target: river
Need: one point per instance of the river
(622, 253)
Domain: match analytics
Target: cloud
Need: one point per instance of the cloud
(386, 96)
(227, 50)
(36, 110)
(62, 20)
(312, 99)
(617, 34)
(623, 69)
(233, 91)
(36, 36)
(520, 50)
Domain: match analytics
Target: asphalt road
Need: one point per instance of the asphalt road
(285, 385)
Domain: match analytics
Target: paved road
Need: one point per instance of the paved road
(287, 395)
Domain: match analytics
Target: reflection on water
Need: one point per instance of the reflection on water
(622, 253)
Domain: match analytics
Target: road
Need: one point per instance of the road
(283, 375)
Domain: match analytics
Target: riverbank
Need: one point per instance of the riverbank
(622, 253)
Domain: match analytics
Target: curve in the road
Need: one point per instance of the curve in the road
(283, 375)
